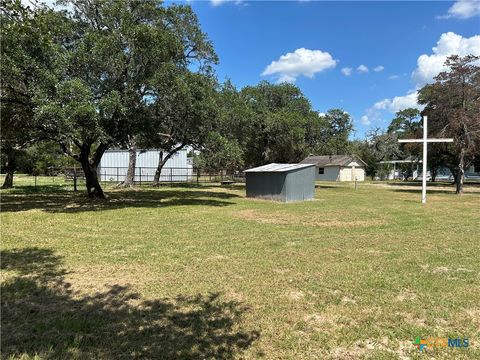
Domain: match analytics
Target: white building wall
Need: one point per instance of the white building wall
(337, 173)
(349, 173)
(114, 164)
(345, 174)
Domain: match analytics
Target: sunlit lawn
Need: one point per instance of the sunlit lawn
(203, 272)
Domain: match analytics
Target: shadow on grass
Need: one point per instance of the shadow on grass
(432, 184)
(42, 316)
(71, 202)
(43, 189)
(323, 186)
(429, 191)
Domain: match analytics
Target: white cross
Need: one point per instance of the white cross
(425, 141)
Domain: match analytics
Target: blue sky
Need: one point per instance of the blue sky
(325, 44)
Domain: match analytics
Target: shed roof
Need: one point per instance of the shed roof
(274, 167)
(332, 160)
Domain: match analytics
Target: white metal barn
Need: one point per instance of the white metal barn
(114, 164)
(337, 167)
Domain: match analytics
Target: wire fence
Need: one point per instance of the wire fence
(73, 179)
(169, 175)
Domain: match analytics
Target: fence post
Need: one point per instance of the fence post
(198, 176)
(118, 177)
(171, 177)
(35, 182)
(140, 170)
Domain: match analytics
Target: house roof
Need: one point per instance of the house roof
(274, 167)
(332, 160)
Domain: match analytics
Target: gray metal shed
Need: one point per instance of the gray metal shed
(281, 182)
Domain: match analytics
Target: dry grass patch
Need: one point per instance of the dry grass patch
(98, 278)
(295, 295)
(316, 219)
(474, 315)
(406, 295)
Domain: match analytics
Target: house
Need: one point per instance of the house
(114, 164)
(281, 182)
(337, 167)
(395, 168)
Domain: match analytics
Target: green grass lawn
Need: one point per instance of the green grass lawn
(203, 272)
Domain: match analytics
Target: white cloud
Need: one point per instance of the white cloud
(220, 2)
(347, 71)
(286, 78)
(394, 77)
(365, 120)
(398, 103)
(463, 9)
(428, 66)
(378, 110)
(379, 68)
(301, 62)
(362, 69)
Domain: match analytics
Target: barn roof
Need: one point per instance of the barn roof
(275, 167)
(332, 160)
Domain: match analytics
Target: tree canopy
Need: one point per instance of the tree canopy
(115, 57)
(452, 104)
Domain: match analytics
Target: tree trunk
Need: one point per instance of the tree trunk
(460, 174)
(132, 161)
(94, 190)
(161, 164)
(8, 182)
(9, 168)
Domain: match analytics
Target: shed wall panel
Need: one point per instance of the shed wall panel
(268, 186)
(300, 185)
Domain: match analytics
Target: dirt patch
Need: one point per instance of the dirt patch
(361, 349)
(305, 219)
